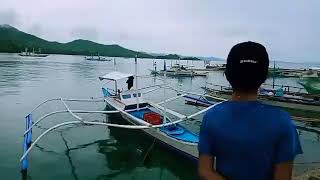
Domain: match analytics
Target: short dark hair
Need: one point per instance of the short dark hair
(247, 66)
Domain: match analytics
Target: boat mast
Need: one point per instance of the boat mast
(116, 87)
(164, 94)
(153, 64)
(136, 77)
(273, 74)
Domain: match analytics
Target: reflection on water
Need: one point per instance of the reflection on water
(97, 153)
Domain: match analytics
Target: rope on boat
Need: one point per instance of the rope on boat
(111, 125)
(194, 93)
(149, 149)
(171, 99)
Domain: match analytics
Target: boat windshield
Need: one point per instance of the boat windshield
(126, 96)
(135, 95)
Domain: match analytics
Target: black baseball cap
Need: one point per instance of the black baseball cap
(247, 66)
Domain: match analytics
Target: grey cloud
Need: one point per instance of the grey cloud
(89, 33)
(287, 28)
(9, 16)
(35, 29)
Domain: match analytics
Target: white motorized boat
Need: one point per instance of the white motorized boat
(32, 54)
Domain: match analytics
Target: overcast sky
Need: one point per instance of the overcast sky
(289, 29)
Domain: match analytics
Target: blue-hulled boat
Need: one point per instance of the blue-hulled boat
(134, 108)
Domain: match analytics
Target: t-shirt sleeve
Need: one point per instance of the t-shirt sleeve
(288, 145)
(204, 145)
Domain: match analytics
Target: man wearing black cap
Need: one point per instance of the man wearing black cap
(250, 140)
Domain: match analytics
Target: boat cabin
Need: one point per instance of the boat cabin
(130, 99)
(128, 96)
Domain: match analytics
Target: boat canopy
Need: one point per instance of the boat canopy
(114, 76)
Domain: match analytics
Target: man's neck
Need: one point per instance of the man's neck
(244, 96)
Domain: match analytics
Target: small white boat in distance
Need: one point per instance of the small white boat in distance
(32, 54)
(97, 58)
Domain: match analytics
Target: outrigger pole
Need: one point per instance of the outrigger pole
(28, 144)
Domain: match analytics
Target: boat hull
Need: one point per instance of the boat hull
(189, 150)
(296, 109)
(35, 55)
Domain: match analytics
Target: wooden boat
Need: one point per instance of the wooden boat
(134, 109)
(296, 103)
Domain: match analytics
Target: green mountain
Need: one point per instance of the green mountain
(169, 56)
(13, 41)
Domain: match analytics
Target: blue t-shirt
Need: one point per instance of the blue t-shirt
(248, 138)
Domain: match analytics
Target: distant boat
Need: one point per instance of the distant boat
(312, 86)
(216, 67)
(301, 104)
(310, 80)
(32, 54)
(178, 70)
(97, 58)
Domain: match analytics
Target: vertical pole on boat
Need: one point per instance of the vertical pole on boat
(164, 94)
(136, 77)
(274, 70)
(116, 87)
(114, 63)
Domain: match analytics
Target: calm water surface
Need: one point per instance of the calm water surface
(84, 153)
